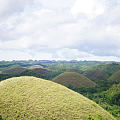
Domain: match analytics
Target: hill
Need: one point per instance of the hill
(41, 70)
(113, 94)
(14, 70)
(74, 70)
(110, 100)
(73, 79)
(97, 76)
(108, 68)
(33, 98)
(115, 78)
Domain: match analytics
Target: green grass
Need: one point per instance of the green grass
(30, 98)
(96, 75)
(115, 78)
(73, 79)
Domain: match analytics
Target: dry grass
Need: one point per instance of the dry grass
(74, 80)
(30, 98)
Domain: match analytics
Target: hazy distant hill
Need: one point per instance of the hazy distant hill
(108, 68)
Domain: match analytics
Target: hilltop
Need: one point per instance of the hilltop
(73, 79)
(34, 98)
(97, 76)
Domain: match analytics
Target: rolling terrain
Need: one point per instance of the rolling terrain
(115, 78)
(74, 80)
(33, 98)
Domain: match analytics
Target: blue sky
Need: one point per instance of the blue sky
(60, 30)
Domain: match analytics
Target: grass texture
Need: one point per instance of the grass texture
(30, 98)
(73, 79)
(115, 77)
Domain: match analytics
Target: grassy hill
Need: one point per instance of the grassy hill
(97, 76)
(41, 70)
(14, 70)
(30, 98)
(108, 68)
(110, 100)
(74, 70)
(115, 78)
(73, 79)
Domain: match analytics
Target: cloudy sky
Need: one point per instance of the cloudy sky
(60, 29)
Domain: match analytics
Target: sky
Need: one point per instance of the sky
(60, 30)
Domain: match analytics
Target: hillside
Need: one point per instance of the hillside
(74, 70)
(14, 70)
(97, 76)
(108, 68)
(41, 70)
(72, 79)
(33, 98)
(115, 78)
(110, 100)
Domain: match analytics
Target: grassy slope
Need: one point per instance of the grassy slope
(108, 68)
(74, 80)
(96, 75)
(30, 98)
(115, 77)
(110, 100)
(14, 70)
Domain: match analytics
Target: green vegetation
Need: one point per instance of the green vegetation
(108, 68)
(13, 70)
(115, 78)
(74, 80)
(32, 98)
(1, 117)
(109, 100)
(97, 76)
(104, 74)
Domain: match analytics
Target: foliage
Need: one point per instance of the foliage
(1, 117)
(115, 78)
(108, 68)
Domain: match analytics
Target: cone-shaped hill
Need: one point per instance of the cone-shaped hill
(96, 75)
(115, 78)
(73, 79)
(30, 98)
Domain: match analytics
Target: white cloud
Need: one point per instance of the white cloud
(91, 8)
(10, 7)
(46, 29)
